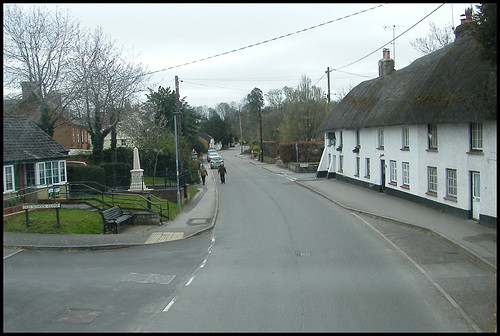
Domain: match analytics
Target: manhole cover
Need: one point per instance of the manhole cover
(78, 316)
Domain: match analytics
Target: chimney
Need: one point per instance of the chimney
(464, 20)
(28, 89)
(386, 64)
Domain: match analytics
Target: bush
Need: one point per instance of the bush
(79, 173)
(309, 151)
(117, 173)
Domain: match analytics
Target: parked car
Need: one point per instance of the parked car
(76, 163)
(216, 161)
(209, 152)
(211, 155)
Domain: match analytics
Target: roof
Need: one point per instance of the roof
(24, 141)
(450, 85)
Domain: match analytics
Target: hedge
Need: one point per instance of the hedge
(309, 151)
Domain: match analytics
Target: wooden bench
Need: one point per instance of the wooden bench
(114, 216)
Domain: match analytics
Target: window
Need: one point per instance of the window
(394, 172)
(30, 175)
(476, 135)
(451, 183)
(433, 136)
(357, 166)
(381, 138)
(330, 138)
(406, 174)
(341, 163)
(406, 137)
(8, 178)
(432, 180)
(51, 172)
(367, 167)
(124, 142)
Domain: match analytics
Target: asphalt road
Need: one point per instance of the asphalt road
(280, 258)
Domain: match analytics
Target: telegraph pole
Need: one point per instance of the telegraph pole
(328, 79)
(176, 123)
(261, 149)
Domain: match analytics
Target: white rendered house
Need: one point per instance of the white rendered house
(426, 133)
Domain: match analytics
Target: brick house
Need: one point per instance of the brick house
(72, 135)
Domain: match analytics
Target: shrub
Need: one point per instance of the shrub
(117, 173)
(309, 151)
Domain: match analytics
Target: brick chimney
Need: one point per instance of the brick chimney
(464, 23)
(386, 64)
(28, 89)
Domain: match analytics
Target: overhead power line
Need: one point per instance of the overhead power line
(394, 39)
(263, 42)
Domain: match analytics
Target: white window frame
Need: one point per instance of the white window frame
(451, 183)
(53, 172)
(406, 137)
(432, 180)
(393, 171)
(476, 135)
(9, 183)
(357, 166)
(433, 136)
(381, 138)
(367, 167)
(406, 173)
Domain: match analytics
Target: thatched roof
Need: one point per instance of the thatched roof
(450, 85)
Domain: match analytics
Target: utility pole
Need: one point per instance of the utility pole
(328, 79)
(261, 149)
(177, 116)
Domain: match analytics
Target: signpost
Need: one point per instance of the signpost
(28, 207)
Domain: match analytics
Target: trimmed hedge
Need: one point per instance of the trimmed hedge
(117, 173)
(309, 151)
(77, 173)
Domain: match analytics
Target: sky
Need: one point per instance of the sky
(220, 52)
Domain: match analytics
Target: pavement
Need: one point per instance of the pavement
(199, 215)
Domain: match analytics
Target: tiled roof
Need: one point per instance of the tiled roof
(24, 141)
(450, 85)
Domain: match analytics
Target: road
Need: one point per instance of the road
(280, 258)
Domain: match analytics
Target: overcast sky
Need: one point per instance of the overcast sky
(274, 44)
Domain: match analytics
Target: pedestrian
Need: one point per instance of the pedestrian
(203, 173)
(222, 172)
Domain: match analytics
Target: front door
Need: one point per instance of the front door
(382, 170)
(476, 194)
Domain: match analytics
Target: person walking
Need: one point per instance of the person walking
(222, 172)
(203, 173)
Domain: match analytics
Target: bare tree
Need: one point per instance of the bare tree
(436, 39)
(107, 81)
(305, 110)
(38, 47)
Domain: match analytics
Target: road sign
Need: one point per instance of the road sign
(41, 206)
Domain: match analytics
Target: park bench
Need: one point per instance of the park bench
(114, 216)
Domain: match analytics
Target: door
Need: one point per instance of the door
(382, 170)
(476, 194)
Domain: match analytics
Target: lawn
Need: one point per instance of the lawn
(71, 221)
